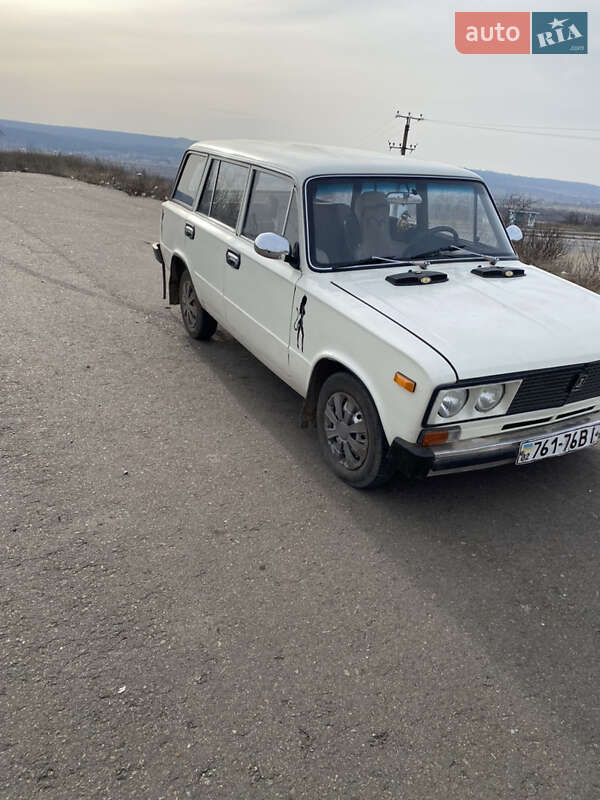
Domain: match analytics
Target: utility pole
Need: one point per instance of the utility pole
(404, 147)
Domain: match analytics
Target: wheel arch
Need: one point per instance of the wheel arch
(176, 270)
(325, 366)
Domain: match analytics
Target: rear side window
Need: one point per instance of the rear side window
(229, 192)
(268, 204)
(190, 178)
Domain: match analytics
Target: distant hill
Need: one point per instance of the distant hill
(157, 153)
(162, 154)
(546, 191)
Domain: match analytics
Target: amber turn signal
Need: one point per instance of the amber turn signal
(404, 382)
(434, 437)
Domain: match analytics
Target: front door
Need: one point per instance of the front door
(259, 291)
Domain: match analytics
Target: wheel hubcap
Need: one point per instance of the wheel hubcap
(189, 304)
(346, 430)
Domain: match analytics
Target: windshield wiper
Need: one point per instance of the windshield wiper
(491, 259)
(433, 253)
(406, 262)
(452, 248)
(387, 260)
(382, 260)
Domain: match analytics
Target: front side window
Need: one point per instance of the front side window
(359, 220)
(268, 205)
(190, 178)
(229, 192)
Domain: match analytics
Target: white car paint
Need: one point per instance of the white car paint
(259, 303)
(465, 328)
(490, 327)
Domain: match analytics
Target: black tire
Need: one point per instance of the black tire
(350, 434)
(198, 322)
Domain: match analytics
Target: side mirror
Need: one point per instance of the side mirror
(515, 234)
(272, 245)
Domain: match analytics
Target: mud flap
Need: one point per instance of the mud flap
(159, 257)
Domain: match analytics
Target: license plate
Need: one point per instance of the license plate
(567, 442)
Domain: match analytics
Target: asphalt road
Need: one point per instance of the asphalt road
(191, 605)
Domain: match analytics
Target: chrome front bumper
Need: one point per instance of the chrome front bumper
(469, 454)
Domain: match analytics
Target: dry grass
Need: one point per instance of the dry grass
(582, 267)
(139, 184)
(547, 249)
(542, 246)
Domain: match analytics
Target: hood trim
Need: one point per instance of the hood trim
(399, 324)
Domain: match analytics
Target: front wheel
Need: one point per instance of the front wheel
(198, 322)
(350, 434)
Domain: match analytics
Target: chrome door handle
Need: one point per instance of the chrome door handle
(233, 259)
(190, 231)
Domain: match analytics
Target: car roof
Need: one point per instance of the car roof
(303, 160)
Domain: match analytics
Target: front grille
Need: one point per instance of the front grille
(525, 423)
(552, 388)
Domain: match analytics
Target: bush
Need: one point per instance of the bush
(139, 184)
(542, 246)
(545, 245)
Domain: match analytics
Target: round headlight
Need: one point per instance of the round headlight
(452, 402)
(489, 397)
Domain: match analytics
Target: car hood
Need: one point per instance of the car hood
(488, 326)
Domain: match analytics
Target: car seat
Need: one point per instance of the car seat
(373, 214)
(336, 233)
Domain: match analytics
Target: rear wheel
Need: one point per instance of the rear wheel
(198, 322)
(350, 434)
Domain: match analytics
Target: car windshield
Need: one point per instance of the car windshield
(366, 221)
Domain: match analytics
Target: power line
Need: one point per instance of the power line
(375, 132)
(517, 125)
(544, 132)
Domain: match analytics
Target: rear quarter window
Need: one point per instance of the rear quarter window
(189, 179)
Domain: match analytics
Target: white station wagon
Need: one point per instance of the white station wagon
(387, 293)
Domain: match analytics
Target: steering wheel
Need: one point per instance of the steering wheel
(433, 231)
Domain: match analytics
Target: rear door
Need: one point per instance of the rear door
(259, 291)
(177, 213)
(213, 234)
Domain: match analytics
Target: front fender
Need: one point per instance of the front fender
(342, 331)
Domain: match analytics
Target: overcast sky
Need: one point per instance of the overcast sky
(330, 71)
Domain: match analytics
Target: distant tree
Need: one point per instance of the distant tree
(515, 202)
